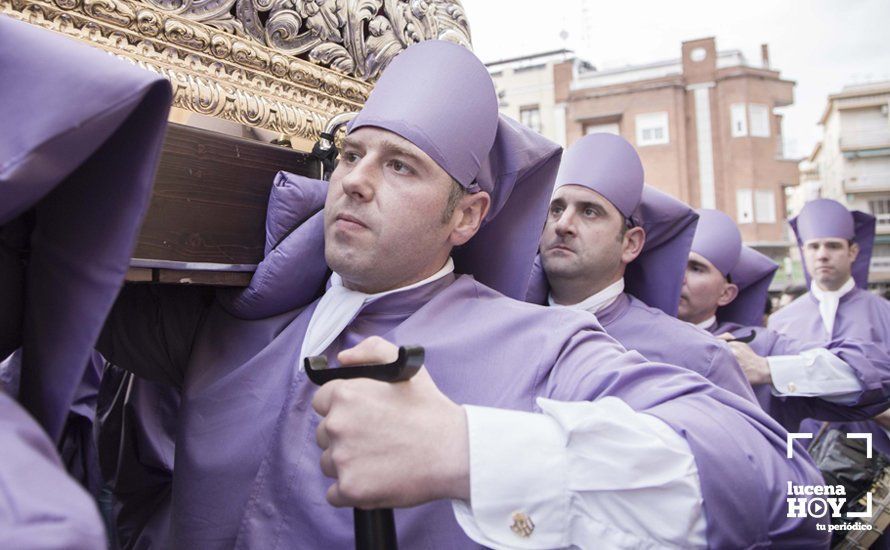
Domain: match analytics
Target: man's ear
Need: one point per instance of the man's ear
(854, 251)
(730, 292)
(632, 244)
(467, 219)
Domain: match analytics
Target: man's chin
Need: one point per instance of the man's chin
(343, 259)
(830, 281)
(558, 267)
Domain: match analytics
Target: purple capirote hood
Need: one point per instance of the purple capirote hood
(717, 238)
(607, 164)
(75, 177)
(656, 276)
(752, 274)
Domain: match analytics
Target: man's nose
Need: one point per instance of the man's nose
(361, 180)
(565, 224)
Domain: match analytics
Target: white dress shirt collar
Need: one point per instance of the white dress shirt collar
(707, 323)
(829, 300)
(339, 306)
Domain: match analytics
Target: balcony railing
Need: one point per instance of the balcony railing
(883, 223)
(868, 139)
(867, 182)
(880, 263)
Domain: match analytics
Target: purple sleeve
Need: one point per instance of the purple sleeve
(870, 363)
(726, 372)
(739, 450)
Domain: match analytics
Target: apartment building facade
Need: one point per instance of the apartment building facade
(526, 89)
(852, 162)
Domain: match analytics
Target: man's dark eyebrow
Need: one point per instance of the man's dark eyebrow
(559, 201)
(352, 142)
(392, 147)
(600, 209)
(698, 264)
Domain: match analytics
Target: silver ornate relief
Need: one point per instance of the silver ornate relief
(354, 37)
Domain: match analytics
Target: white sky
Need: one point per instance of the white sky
(820, 44)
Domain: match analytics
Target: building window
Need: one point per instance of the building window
(528, 68)
(759, 115)
(881, 210)
(744, 203)
(765, 207)
(608, 128)
(652, 129)
(531, 116)
(739, 120)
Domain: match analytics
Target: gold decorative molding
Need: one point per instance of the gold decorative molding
(283, 65)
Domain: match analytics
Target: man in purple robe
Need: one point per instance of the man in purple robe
(602, 220)
(725, 291)
(81, 136)
(836, 246)
(431, 184)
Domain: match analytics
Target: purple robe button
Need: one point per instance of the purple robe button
(268, 510)
(522, 524)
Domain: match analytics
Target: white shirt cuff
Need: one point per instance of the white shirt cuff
(579, 472)
(814, 373)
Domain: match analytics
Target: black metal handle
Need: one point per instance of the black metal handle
(374, 529)
(745, 339)
(408, 363)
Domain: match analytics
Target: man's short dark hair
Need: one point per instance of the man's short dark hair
(454, 196)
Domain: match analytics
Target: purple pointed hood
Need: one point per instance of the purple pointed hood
(826, 218)
(463, 132)
(753, 274)
(656, 276)
(75, 177)
(607, 164)
(717, 238)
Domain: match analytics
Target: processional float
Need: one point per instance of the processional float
(259, 86)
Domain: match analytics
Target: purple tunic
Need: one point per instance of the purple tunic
(40, 506)
(666, 339)
(870, 363)
(247, 467)
(861, 315)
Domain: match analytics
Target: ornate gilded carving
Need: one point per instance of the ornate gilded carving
(256, 62)
(355, 37)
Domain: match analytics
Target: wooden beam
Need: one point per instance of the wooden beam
(209, 202)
